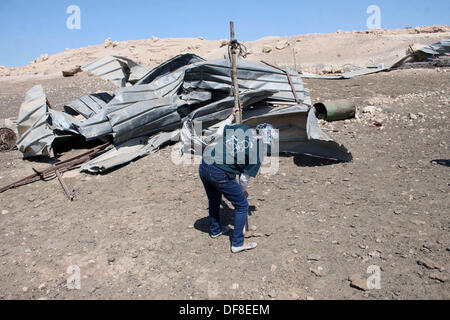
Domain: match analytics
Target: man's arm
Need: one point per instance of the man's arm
(227, 122)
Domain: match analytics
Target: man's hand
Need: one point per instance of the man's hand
(246, 194)
(232, 115)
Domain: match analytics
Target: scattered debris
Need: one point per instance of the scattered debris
(434, 55)
(151, 106)
(61, 166)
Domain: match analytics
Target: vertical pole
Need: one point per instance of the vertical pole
(237, 104)
(234, 74)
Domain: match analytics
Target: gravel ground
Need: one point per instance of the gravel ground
(140, 232)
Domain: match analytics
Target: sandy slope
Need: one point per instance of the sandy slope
(313, 52)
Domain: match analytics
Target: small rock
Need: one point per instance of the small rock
(428, 263)
(358, 282)
(235, 286)
(111, 259)
(369, 109)
(418, 222)
(253, 228)
(5, 211)
(412, 116)
(42, 286)
(41, 58)
(108, 42)
(282, 45)
(318, 272)
(439, 277)
(266, 49)
(25, 289)
(115, 44)
(273, 268)
(314, 257)
(71, 72)
(272, 293)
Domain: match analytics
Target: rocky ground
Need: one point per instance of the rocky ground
(140, 232)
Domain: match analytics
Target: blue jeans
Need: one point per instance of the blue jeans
(216, 184)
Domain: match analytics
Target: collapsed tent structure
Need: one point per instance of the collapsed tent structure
(153, 107)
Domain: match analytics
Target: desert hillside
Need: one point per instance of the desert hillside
(335, 52)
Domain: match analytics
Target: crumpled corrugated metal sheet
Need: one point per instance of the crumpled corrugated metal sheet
(186, 89)
(129, 151)
(347, 75)
(216, 75)
(35, 137)
(88, 105)
(440, 48)
(170, 66)
(118, 70)
(298, 128)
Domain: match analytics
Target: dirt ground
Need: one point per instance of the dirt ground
(140, 232)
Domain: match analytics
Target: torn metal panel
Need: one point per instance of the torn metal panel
(35, 135)
(88, 105)
(118, 70)
(216, 75)
(129, 151)
(299, 131)
(63, 122)
(439, 52)
(220, 110)
(298, 128)
(441, 48)
(170, 66)
(120, 154)
(347, 75)
(97, 126)
(144, 117)
(163, 138)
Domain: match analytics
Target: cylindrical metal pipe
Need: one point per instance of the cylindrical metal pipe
(335, 110)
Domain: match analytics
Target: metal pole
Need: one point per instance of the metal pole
(234, 74)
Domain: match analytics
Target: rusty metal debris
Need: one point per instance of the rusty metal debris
(62, 166)
(68, 193)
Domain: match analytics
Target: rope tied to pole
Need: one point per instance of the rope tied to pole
(237, 47)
